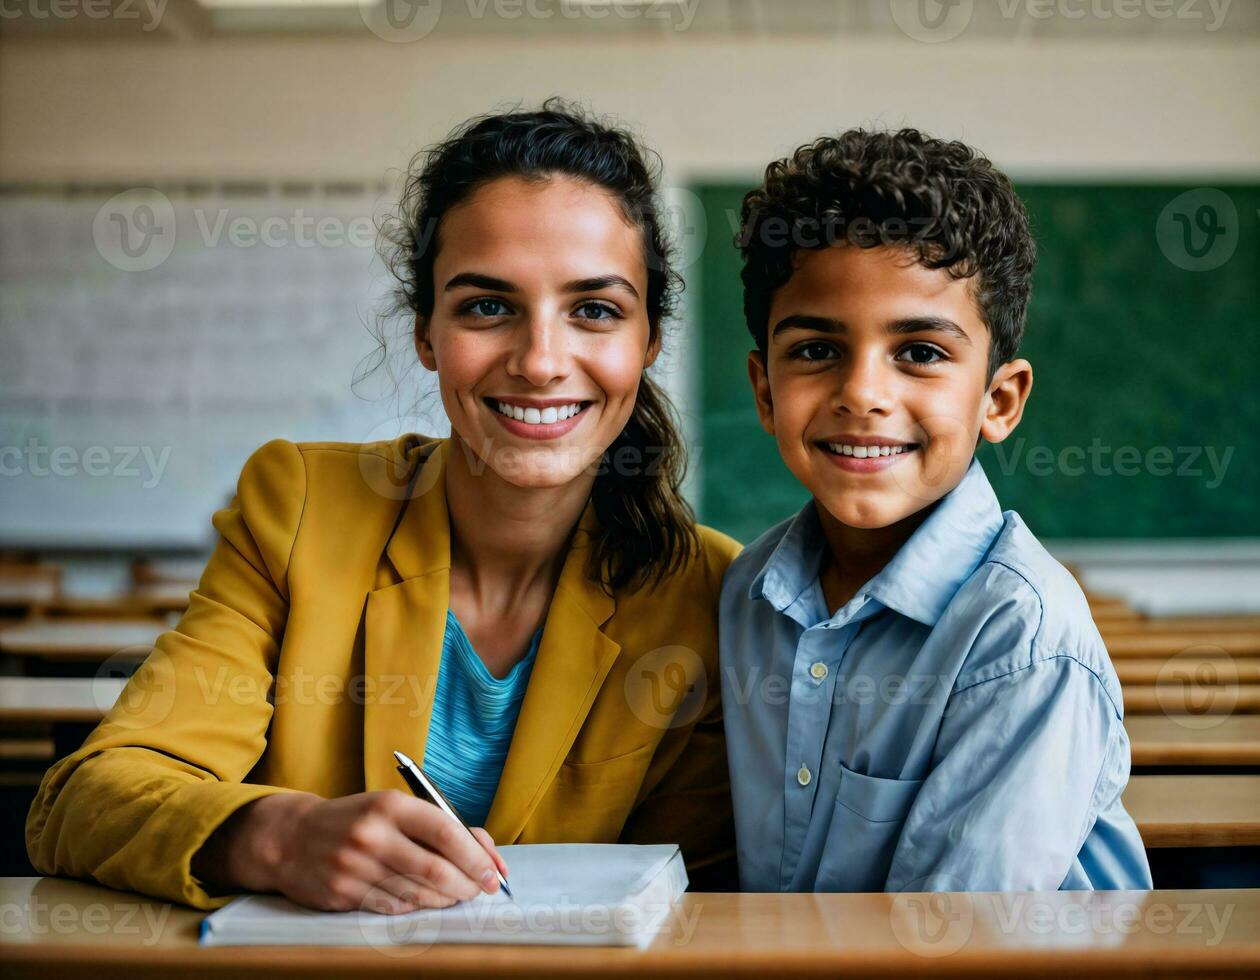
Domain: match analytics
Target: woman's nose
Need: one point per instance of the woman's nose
(538, 352)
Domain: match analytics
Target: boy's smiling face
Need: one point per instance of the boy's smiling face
(875, 382)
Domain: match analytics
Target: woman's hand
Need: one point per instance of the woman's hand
(384, 851)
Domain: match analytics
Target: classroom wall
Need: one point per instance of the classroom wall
(352, 107)
(134, 110)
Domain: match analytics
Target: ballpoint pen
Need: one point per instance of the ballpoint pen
(426, 789)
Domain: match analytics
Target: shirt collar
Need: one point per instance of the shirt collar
(793, 565)
(922, 577)
(926, 573)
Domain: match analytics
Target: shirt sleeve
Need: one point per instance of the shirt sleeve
(167, 764)
(1023, 764)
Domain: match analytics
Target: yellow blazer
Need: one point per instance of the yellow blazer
(310, 651)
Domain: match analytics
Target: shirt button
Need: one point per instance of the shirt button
(818, 671)
(803, 776)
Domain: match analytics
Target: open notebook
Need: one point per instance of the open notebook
(566, 894)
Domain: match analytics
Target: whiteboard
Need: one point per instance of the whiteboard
(153, 338)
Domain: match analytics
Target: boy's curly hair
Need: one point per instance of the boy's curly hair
(941, 199)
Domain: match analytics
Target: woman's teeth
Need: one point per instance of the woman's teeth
(539, 416)
(862, 452)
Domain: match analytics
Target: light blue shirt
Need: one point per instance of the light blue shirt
(474, 716)
(956, 726)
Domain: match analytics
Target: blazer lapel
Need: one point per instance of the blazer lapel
(572, 661)
(404, 629)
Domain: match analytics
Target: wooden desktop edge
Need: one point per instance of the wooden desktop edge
(721, 949)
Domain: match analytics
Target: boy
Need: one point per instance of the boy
(916, 697)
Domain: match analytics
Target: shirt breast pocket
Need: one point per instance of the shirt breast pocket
(865, 827)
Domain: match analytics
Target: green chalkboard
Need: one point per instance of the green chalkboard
(1144, 334)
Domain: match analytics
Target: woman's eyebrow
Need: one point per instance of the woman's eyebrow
(479, 280)
(595, 283)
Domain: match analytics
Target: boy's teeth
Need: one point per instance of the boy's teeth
(863, 452)
(539, 416)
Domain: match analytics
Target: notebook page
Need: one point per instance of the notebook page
(565, 893)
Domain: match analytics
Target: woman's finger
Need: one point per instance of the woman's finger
(414, 893)
(486, 841)
(448, 841)
(405, 856)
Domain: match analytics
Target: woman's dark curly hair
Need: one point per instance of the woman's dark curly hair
(647, 529)
(941, 199)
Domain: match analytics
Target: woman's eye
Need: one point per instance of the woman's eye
(595, 311)
(487, 307)
(816, 351)
(921, 354)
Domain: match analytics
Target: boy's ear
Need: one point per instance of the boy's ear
(761, 389)
(424, 349)
(1004, 405)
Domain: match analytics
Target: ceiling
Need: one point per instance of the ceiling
(668, 19)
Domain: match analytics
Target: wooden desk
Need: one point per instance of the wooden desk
(1113, 611)
(50, 700)
(1195, 811)
(21, 592)
(57, 927)
(1191, 699)
(1191, 668)
(1181, 624)
(1239, 643)
(144, 600)
(81, 639)
(1221, 740)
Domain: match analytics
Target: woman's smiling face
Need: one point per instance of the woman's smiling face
(539, 333)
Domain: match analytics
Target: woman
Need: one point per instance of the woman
(524, 607)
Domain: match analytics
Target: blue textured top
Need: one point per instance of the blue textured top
(474, 715)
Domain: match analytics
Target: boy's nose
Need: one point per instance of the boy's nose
(864, 388)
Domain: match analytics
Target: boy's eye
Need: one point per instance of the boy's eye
(593, 310)
(921, 354)
(486, 306)
(815, 350)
